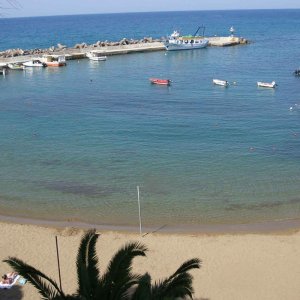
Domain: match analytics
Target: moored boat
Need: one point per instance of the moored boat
(224, 83)
(96, 55)
(54, 60)
(267, 84)
(16, 66)
(160, 81)
(34, 63)
(178, 42)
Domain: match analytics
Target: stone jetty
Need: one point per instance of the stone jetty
(124, 46)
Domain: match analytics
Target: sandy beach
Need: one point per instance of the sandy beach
(234, 266)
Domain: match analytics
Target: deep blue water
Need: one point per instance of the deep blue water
(76, 141)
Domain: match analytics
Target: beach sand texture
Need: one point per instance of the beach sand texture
(234, 266)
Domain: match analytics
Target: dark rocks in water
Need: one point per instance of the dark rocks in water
(147, 40)
(81, 46)
(124, 41)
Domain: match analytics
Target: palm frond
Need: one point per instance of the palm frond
(46, 286)
(118, 272)
(178, 286)
(194, 263)
(93, 269)
(86, 263)
(125, 287)
(143, 290)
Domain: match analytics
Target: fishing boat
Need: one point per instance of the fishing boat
(177, 42)
(221, 82)
(267, 84)
(16, 66)
(96, 55)
(160, 81)
(34, 63)
(54, 60)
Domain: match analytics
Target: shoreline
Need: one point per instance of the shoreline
(265, 227)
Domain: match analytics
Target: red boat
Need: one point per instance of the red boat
(160, 81)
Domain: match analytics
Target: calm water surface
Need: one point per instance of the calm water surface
(76, 141)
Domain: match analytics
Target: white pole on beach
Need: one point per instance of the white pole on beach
(140, 219)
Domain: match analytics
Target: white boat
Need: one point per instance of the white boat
(221, 82)
(178, 42)
(16, 66)
(34, 63)
(267, 84)
(54, 60)
(96, 55)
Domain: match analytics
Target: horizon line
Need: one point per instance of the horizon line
(137, 12)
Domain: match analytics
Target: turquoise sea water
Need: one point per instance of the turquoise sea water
(76, 141)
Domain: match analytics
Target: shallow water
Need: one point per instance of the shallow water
(76, 141)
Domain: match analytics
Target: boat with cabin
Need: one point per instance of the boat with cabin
(224, 83)
(16, 66)
(177, 42)
(96, 55)
(35, 63)
(267, 84)
(160, 81)
(54, 60)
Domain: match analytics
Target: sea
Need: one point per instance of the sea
(77, 141)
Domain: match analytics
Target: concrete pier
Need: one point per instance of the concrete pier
(222, 41)
(72, 53)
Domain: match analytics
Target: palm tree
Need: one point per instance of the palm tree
(117, 282)
(113, 284)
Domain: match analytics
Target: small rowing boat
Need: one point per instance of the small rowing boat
(160, 81)
(267, 84)
(221, 82)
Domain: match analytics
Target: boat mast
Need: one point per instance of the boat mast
(203, 30)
